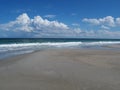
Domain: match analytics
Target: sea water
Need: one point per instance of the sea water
(16, 46)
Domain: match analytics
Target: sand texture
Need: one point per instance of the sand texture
(62, 69)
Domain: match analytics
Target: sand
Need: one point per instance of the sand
(62, 69)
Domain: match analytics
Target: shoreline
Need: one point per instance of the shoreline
(112, 47)
(24, 46)
(62, 69)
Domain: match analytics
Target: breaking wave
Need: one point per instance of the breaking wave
(22, 48)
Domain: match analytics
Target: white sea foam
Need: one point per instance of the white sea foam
(101, 43)
(40, 44)
(55, 44)
(22, 48)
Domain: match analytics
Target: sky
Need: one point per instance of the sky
(59, 19)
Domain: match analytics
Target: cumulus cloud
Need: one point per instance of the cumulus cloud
(41, 23)
(91, 21)
(50, 16)
(36, 26)
(23, 22)
(106, 21)
(24, 26)
(118, 21)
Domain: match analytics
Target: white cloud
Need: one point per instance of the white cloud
(23, 19)
(105, 27)
(106, 21)
(99, 34)
(23, 22)
(24, 26)
(41, 23)
(118, 21)
(109, 20)
(77, 30)
(91, 21)
(108, 33)
(50, 16)
(36, 25)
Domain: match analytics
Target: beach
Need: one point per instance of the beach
(62, 69)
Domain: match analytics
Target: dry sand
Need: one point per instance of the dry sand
(62, 69)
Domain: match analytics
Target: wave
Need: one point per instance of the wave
(22, 48)
(57, 44)
(102, 43)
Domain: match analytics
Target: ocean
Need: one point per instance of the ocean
(16, 46)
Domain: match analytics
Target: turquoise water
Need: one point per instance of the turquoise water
(15, 46)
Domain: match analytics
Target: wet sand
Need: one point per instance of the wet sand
(62, 69)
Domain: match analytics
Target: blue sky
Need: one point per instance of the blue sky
(63, 18)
